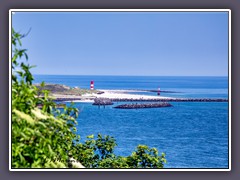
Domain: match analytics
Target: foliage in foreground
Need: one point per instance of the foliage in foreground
(46, 137)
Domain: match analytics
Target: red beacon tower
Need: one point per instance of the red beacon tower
(92, 85)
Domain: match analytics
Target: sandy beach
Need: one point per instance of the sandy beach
(124, 94)
(111, 94)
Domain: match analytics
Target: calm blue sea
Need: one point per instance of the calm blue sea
(191, 134)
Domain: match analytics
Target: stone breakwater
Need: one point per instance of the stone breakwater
(102, 101)
(149, 105)
(174, 100)
(147, 100)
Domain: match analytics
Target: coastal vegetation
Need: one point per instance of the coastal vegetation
(65, 90)
(47, 137)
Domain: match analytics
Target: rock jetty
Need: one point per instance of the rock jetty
(58, 99)
(102, 101)
(148, 105)
(170, 100)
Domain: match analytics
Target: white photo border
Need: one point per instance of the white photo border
(12, 11)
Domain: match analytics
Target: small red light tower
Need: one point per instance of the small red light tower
(92, 85)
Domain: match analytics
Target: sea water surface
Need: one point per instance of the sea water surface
(191, 134)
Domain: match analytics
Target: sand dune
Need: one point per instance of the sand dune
(119, 94)
(112, 94)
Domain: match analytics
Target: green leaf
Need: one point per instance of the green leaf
(90, 136)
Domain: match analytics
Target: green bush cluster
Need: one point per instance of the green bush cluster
(46, 137)
(99, 153)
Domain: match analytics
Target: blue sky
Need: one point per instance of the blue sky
(126, 43)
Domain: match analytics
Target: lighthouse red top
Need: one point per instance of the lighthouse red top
(91, 82)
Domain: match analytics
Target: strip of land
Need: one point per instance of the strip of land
(123, 96)
(64, 93)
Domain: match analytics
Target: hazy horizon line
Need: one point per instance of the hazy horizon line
(133, 75)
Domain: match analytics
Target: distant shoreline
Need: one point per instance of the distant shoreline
(122, 96)
(64, 93)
